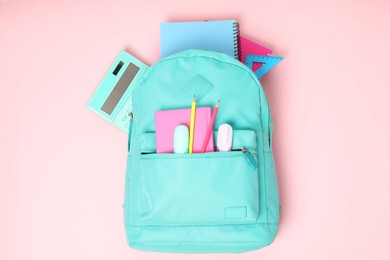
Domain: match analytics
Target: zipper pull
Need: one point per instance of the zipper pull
(131, 117)
(269, 139)
(130, 126)
(249, 158)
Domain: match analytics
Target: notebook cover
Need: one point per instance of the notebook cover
(221, 36)
(167, 120)
(250, 47)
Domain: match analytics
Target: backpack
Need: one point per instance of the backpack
(203, 202)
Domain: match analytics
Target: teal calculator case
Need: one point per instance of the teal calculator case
(112, 99)
(209, 202)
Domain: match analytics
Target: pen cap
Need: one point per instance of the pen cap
(180, 139)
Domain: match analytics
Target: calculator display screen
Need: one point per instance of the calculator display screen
(120, 88)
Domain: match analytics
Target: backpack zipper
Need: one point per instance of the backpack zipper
(130, 130)
(248, 156)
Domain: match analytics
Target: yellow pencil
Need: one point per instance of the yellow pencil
(192, 125)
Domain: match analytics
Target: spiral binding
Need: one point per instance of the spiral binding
(236, 35)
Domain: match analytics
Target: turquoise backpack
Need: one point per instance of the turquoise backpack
(208, 202)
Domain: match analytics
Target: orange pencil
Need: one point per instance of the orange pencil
(210, 128)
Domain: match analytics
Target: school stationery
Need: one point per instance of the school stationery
(207, 202)
(250, 47)
(224, 138)
(167, 120)
(221, 36)
(268, 63)
(192, 124)
(112, 98)
(180, 139)
(210, 128)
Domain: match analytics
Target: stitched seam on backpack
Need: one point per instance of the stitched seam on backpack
(201, 225)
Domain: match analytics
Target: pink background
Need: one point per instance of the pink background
(62, 167)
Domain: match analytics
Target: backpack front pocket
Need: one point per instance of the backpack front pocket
(203, 189)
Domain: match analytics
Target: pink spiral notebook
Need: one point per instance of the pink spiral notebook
(167, 120)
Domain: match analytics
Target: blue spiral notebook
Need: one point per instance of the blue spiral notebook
(221, 36)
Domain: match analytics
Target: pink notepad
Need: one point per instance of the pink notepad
(167, 120)
(249, 47)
